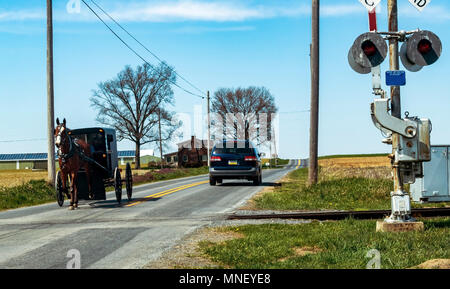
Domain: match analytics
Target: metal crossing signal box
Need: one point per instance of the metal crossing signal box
(434, 185)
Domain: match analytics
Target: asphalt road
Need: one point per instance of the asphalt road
(128, 236)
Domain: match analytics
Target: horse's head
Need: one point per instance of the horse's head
(60, 133)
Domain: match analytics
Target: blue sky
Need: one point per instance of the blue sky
(214, 44)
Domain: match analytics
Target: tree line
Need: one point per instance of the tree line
(137, 103)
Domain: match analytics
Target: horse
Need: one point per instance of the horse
(70, 157)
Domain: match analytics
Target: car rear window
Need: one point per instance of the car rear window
(239, 151)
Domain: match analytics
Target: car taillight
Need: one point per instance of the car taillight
(216, 159)
(249, 158)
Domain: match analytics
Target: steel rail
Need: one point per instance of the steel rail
(340, 215)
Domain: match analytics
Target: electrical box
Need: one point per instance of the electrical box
(417, 148)
(434, 185)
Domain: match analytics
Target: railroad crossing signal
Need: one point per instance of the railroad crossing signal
(421, 49)
(370, 4)
(369, 50)
(420, 4)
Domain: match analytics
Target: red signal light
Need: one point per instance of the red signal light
(216, 159)
(424, 46)
(369, 48)
(249, 158)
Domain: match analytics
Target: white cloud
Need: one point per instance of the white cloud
(202, 11)
(21, 15)
(182, 10)
(210, 11)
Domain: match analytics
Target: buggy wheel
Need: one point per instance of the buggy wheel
(59, 189)
(118, 185)
(129, 181)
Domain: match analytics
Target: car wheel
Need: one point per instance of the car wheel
(212, 181)
(219, 181)
(256, 181)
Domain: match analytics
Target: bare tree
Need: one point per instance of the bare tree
(131, 102)
(245, 113)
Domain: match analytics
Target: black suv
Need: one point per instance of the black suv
(235, 160)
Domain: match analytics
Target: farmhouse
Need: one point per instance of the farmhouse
(191, 153)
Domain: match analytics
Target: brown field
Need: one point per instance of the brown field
(366, 167)
(17, 177)
(356, 162)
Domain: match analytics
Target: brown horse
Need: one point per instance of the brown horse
(70, 152)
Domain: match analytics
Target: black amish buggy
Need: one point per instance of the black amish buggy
(103, 167)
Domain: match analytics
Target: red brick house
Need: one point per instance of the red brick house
(191, 153)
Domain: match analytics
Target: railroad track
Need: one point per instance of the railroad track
(340, 215)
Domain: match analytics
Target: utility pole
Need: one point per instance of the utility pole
(160, 137)
(314, 119)
(209, 128)
(50, 98)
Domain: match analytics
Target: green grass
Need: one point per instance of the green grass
(28, 194)
(351, 193)
(352, 156)
(338, 194)
(342, 244)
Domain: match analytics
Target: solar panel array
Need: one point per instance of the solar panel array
(24, 157)
(126, 154)
(43, 156)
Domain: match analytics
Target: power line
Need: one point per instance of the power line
(22, 140)
(297, 111)
(140, 43)
(134, 51)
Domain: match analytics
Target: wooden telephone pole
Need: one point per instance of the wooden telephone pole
(160, 137)
(209, 128)
(314, 119)
(50, 98)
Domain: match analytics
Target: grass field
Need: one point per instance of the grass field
(347, 183)
(14, 178)
(31, 193)
(343, 244)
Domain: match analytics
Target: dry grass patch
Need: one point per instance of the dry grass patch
(333, 173)
(12, 178)
(302, 251)
(434, 264)
(356, 162)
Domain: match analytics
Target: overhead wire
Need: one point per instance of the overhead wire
(135, 52)
(148, 50)
(22, 140)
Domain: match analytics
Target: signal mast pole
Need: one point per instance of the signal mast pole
(50, 98)
(395, 90)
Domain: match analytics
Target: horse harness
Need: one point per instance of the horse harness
(74, 148)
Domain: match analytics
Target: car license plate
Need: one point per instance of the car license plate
(232, 163)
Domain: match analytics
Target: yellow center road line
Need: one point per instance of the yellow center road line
(167, 192)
